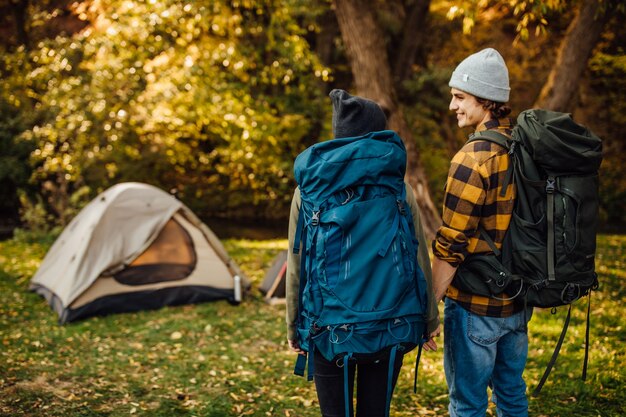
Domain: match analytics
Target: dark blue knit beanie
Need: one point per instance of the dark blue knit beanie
(355, 116)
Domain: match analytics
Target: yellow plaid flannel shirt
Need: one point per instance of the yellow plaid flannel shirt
(472, 199)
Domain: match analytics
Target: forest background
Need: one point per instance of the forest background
(213, 100)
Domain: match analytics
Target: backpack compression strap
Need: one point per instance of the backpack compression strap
(557, 349)
(301, 363)
(392, 362)
(417, 361)
(586, 360)
(550, 187)
(305, 267)
(346, 384)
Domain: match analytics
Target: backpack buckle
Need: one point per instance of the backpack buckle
(315, 329)
(570, 293)
(501, 280)
(315, 218)
(550, 185)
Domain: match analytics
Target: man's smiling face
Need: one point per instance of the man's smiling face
(469, 112)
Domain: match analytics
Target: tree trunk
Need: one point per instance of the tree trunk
(413, 38)
(560, 91)
(20, 10)
(370, 66)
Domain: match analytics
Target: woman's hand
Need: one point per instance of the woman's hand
(295, 346)
(430, 344)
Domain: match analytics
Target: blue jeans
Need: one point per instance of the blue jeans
(481, 352)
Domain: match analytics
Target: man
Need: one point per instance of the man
(486, 342)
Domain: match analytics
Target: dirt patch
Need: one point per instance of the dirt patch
(57, 388)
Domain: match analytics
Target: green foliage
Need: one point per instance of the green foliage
(529, 14)
(14, 153)
(34, 215)
(213, 100)
(215, 359)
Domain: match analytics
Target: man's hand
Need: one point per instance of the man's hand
(295, 346)
(443, 273)
(430, 344)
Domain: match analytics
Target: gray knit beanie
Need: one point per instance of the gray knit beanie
(355, 116)
(484, 75)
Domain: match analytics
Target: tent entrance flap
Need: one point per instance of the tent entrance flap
(170, 257)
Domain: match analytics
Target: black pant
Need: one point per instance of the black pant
(371, 395)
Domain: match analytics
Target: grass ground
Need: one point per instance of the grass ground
(219, 360)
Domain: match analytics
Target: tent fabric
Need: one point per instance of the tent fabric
(107, 234)
(129, 230)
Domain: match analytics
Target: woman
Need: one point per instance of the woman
(352, 117)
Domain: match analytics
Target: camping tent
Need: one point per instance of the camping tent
(273, 285)
(135, 247)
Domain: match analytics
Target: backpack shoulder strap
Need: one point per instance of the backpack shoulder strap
(491, 136)
(504, 141)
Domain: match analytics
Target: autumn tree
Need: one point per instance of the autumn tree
(380, 75)
(562, 86)
(213, 100)
(376, 77)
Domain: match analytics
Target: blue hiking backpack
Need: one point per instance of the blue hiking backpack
(362, 291)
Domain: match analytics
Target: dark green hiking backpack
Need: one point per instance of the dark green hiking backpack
(548, 253)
